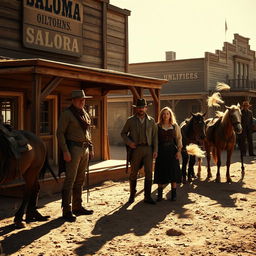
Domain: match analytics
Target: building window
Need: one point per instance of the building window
(195, 108)
(242, 70)
(8, 109)
(46, 117)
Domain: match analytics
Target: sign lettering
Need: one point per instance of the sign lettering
(182, 76)
(53, 25)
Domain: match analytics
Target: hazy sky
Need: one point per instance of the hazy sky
(188, 27)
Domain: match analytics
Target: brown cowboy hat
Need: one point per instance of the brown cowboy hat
(141, 103)
(246, 103)
(78, 94)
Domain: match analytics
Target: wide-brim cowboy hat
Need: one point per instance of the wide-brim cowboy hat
(141, 103)
(78, 94)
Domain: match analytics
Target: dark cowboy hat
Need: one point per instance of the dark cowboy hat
(246, 103)
(78, 94)
(141, 103)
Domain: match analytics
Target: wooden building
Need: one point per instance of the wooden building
(49, 48)
(191, 81)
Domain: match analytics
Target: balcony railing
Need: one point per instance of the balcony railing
(242, 84)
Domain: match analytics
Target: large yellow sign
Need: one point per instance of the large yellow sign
(53, 25)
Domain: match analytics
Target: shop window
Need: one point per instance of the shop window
(8, 109)
(94, 114)
(195, 108)
(46, 117)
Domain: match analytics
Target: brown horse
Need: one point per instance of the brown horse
(29, 165)
(221, 135)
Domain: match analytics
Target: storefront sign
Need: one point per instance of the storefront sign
(182, 76)
(53, 25)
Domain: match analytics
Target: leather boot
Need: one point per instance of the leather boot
(133, 191)
(66, 201)
(159, 194)
(173, 194)
(147, 192)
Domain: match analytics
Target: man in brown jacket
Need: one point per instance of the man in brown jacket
(140, 134)
(247, 124)
(74, 138)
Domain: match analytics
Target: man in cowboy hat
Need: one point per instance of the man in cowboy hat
(140, 134)
(247, 123)
(74, 137)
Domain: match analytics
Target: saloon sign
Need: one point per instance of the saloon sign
(53, 25)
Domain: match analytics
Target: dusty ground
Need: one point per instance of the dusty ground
(207, 219)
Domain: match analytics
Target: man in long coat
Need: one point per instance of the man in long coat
(140, 134)
(74, 138)
(247, 124)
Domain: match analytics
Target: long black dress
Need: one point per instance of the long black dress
(167, 167)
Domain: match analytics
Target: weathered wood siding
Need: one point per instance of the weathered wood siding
(185, 76)
(94, 36)
(221, 64)
(116, 41)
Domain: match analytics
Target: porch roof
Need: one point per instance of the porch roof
(104, 78)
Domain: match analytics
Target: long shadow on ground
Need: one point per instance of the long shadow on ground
(139, 221)
(14, 242)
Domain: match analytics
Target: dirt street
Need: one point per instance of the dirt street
(208, 218)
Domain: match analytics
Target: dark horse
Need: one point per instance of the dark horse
(221, 135)
(193, 131)
(29, 165)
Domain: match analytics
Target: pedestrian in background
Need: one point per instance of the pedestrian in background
(247, 125)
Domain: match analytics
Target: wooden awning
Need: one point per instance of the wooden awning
(104, 78)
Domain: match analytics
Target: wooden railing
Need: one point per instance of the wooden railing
(242, 84)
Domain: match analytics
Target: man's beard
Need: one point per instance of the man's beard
(141, 113)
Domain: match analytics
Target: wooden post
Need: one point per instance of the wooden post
(105, 140)
(36, 101)
(155, 93)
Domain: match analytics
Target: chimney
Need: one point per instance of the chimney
(170, 55)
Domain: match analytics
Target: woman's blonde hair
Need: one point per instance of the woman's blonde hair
(172, 119)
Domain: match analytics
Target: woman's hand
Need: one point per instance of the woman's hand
(178, 155)
(67, 156)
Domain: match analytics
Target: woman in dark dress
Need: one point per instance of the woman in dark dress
(167, 166)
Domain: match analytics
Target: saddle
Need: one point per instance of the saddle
(17, 141)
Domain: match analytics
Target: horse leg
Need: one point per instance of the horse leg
(191, 173)
(199, 161)
(229, 154)
(184, 165)
(19, 214)
(32, 214)
(208, 157)
(218, 155)
(29, 178)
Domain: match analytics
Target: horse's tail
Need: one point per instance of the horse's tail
(195, 150)
(46, 167)
(214, 154)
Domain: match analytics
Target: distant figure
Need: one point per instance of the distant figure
(167, 167)
(140, 135)
(247, 124)
(74, 137)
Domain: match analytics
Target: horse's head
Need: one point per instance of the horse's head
(198, 125)
(234, 113)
